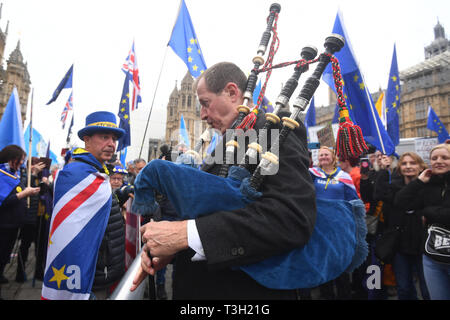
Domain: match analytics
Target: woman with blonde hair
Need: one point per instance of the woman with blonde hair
(430, 193)
(407, 259)
(331, 182)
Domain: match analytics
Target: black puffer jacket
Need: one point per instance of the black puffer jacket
(409, 221)
(111, 256)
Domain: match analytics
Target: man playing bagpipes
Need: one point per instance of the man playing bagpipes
(210, 248)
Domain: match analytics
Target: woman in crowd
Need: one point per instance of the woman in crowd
(430, 194)
(13, 204)
(331, 182)
(408, 258)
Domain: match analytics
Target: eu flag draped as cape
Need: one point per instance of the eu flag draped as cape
(82, 203)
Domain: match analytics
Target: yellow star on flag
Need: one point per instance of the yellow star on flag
(361, 86)
(394, 78)
(58, 275)
(195, 67)
(192, 41)
(190, 59)
(355, 78)
(189, 49)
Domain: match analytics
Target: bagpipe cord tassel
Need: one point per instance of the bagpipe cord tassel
(350, 141)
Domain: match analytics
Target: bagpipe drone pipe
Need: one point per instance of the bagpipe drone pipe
(337, 243)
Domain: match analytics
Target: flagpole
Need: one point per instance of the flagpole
(151, 108)
(30, 143)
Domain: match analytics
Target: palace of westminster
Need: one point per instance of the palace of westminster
(426, 83)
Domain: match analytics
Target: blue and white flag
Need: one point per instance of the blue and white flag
(184, 135)
(82, 204)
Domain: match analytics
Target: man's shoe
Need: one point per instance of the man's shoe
(161, 292)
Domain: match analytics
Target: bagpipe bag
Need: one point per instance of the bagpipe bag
(337, 243)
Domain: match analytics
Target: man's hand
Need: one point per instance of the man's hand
(148, 267)
(165, 238)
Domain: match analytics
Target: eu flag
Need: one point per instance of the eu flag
(310, 118)
(361, 107)
(435, 124)
(393, 101)
(66, 82)
(185, 43)
(11, 130)
(124, 114)
(266, 105)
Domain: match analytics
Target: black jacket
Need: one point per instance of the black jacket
(432, 199)
(409, 221)
(111, 256)
(283, 219)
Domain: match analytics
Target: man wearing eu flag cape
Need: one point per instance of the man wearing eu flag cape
(82, 203)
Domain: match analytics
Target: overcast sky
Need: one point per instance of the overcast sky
(96, 37)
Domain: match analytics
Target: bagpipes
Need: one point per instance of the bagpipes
(337, 243)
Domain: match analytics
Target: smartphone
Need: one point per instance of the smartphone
(364, 166)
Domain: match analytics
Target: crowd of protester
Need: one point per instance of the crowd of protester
(404, 195)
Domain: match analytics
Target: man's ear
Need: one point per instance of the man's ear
(232, 90)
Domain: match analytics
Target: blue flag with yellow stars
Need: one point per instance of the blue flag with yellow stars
(124, 114)
(185, 43)
(393, 101)
(66, 82)
(359, 101)
(310, 118)
(435, 124)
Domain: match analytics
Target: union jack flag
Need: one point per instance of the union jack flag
(68, 106)
(130, 67)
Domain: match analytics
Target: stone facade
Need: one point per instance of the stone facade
(183, 101)
(16, 74)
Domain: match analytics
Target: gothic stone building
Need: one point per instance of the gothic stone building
(16, 74)
(184, 102)
(426, 84)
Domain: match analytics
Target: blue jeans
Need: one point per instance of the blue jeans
(437, 276)
(404, 267)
